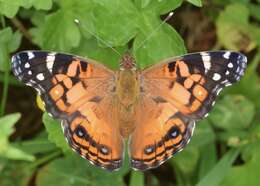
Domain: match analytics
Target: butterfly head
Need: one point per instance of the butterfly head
(127, 62)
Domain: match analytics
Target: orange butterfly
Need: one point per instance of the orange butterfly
(155, 108)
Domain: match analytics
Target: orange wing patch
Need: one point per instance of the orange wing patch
(159, 138)
(186, 89)
(97, 147)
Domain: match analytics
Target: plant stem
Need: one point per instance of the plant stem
(12, 80)
(3, 21)
(45, 159)
(255, 62)
(5, 91)
(17, 23)
(6, 83)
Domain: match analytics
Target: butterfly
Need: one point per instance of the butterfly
(155, 108)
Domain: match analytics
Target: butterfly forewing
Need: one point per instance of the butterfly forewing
(194, 80)
(79, 92)
(175, 93)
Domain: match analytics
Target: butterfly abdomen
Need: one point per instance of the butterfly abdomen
(127, 94)
(127, 87)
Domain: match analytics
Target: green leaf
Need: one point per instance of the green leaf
(144, 3)
(6, 124)
(37, 145)
(247, 173)
(14, 43)
(164, 7)
(241, 38)
(89, 48)
(254, 10)
(124, 26)
(9, 42)
(42, 4)
(9, 8)
(218, 173)
(17, 154)
(186, 160)
(137, 179)
(239, 1)
(158, 7)
(225, 113)
(6, 149)
(55, 40)
(6, 35)
(75, 171)
(196, 2)
(203, 134)
(146, 50)
(207, 160)
(14, 173)
(55, 133)
(64, 35)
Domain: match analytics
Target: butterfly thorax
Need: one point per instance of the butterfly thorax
(127, 92)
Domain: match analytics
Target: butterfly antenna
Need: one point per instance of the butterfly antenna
(98, 38)
(155, 30)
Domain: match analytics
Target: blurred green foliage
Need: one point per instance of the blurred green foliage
(225, 149)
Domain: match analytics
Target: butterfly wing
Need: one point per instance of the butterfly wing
(79, 92)
(174, 94)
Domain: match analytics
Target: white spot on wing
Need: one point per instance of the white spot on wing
(216, 77)
(13, 59)
(30, 72)
(230, 65)
(225, 81)
(228, 84)
(206, 61)
(29, 84)
(38, 90)
(40, 76)
(227, 72)
(50, 61)
(218, 91)
(30, 55)
(27, 65)
(226, 55)
(182, 148)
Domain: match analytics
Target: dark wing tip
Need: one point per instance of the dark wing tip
(239, 60)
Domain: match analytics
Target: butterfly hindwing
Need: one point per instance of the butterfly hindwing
(162, 131)
(77, 91)
(180, 91)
